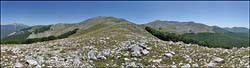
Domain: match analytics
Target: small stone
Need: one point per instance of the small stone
(157, 60)
(218, 60)
(125, 54)
(172, 52)
(126, 59)
(195, 65)
(173, 66)
(168, 55)
(133, 64)
(144, 51)
(19, 65)
(14, 57)
(185, 66)
(211, 64)
(38, 66)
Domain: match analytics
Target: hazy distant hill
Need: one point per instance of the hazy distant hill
(8, 29)
(237, 29)
(182, 27)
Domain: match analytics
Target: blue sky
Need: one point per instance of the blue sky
(220, 13)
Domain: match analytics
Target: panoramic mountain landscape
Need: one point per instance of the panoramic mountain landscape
(106, 41)
(125, 34)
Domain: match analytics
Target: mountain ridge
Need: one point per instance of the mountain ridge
(10, 28)
(183, 27)
(237, 29)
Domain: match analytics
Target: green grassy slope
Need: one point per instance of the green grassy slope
(222, 40)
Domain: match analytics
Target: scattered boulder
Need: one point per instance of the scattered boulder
(102, 54)
(92, 54)
(139, 49)
(136, 51)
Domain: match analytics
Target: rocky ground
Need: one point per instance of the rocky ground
(110, 52)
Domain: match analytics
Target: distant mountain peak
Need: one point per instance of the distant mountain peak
(183, 27)
(237, 29)
(17, 23)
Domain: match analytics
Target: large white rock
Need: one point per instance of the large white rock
(168, 55)
(31, 62)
